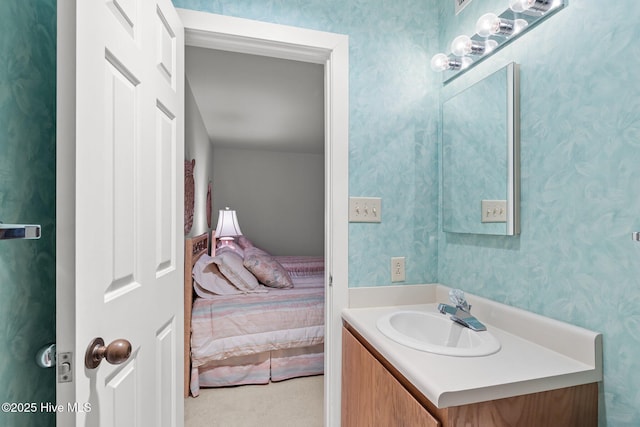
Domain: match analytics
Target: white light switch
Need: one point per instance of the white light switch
(494, 211)
(365, 209)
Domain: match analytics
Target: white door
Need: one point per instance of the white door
(120, 196)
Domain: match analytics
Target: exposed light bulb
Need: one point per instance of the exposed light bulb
(440, 62)
(489, 46)
(463, 45)
(490, 24)
(519, 5)
(465, 62)
(519, 25)
(542, 6)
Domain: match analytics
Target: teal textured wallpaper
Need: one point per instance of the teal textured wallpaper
(27, 195)
(393, 121)
(580, 116)
(580, 143)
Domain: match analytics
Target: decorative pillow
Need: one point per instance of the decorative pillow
(230, 265)
(266, 269)
(244, 243)
(208, 281)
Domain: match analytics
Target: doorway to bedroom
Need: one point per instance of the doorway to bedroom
(332, 52)
(255, 127)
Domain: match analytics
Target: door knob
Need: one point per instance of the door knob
(115, 353)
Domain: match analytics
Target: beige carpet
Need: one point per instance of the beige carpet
(294, 402)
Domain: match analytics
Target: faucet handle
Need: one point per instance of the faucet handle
(456, 296)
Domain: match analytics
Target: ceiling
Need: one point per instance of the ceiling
(257, 102)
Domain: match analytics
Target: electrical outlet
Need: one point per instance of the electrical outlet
(365, 209)
(494, 210)
(397, 269)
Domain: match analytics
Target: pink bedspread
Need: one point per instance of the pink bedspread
(238, 325)
(298, 266)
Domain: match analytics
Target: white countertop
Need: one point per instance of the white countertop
(537, 354)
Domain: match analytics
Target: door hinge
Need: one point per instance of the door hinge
(330, 280)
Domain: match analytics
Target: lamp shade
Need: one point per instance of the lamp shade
(227, 224)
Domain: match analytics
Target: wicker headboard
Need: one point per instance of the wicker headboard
(194, 248)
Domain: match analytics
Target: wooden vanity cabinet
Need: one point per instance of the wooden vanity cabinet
(371, 396)
(376, 394)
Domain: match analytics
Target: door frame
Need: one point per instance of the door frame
(65, 196)
(240, 35)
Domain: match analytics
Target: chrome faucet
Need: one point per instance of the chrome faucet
(461, 312)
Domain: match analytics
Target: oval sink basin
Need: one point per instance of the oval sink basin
(436, 333)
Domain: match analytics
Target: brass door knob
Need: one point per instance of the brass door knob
(115, 353)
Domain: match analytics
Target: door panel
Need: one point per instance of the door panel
(166, 49)
(165, 189)
(165, 363)
(125, 12)
(127, 253)
(120, 396)
(120, 115)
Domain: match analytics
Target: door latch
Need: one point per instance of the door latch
(47, 357)
(65, 362)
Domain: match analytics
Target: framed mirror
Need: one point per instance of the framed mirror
(481, 156)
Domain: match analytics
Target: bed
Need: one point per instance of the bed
(253, 337)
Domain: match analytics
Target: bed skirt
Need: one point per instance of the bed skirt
(276, 365)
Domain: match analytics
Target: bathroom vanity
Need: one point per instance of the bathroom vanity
(545, 373)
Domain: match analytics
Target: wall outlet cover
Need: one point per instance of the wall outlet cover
(397, 269)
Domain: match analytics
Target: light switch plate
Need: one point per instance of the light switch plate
(365, 209)
(494, 211)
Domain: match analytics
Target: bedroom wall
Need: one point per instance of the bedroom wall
(197, 146)
(278, 196)
(393, 121)
(27, 195)
(580, 155)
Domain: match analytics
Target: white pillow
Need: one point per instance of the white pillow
(208, 281)
(230, 264)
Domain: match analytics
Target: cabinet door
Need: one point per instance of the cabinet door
(371, 396)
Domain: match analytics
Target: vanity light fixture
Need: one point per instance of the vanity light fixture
(490, 24)
(492, 33)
